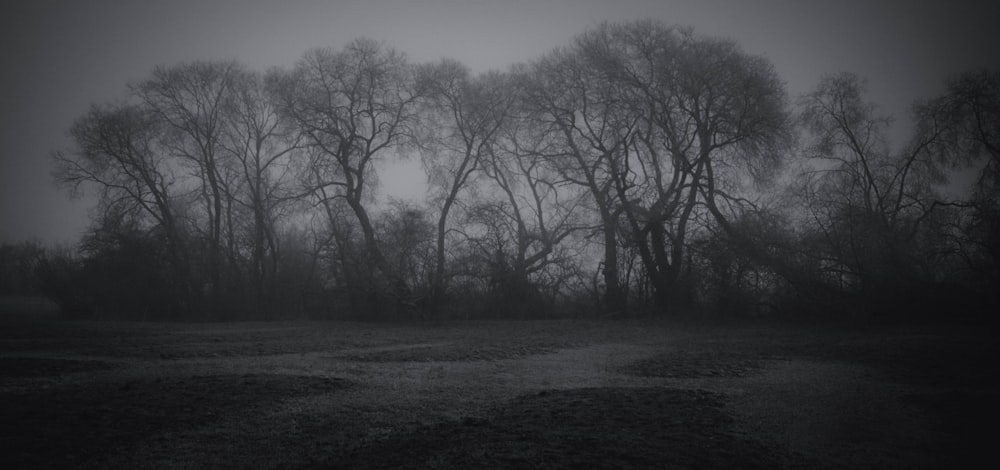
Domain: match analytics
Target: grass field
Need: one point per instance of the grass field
(553, 394)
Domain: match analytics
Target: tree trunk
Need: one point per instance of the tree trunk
(401, 291)
(437, 284)
(614, 297)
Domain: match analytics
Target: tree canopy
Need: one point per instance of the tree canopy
(638, 169)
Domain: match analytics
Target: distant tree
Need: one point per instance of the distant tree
(61, 277)
(869, 202)
(406, 236)
(126, 274)
(351, 108)
(634, 164)
(533, 210)
(967, 119)
(118, 151)
(673, 123)
(18, 265)
(191, 102)
(574, 104)
(712, 118)
(258, 161)
(759, 266)
(299, 279)
(464, 115)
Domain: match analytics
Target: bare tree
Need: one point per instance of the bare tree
(658, 123)
(258, 162)
(869, 202)
(710, 117)
(537, 208)
(406, 236)
(573, 103)
(193, 101)
(351, 107)
(460, 126)
(967, 118)
(117, 150)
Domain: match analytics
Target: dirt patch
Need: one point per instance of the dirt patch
(960, 420)
(20, 367)
(448, 352)
(369, 341)
(492, 394)
(947, 358)
(581, 428)
(694, 364)
(80, 424)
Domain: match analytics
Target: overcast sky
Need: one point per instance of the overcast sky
(62, 56)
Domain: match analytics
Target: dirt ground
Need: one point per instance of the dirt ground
(553, 394)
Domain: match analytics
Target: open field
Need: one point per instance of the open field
(555, 394)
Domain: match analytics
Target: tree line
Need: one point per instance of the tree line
(639, 169)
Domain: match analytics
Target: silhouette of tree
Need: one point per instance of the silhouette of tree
(191, 102)
(459, 125)
(351, 108)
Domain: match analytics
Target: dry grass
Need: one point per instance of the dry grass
(554, 394)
